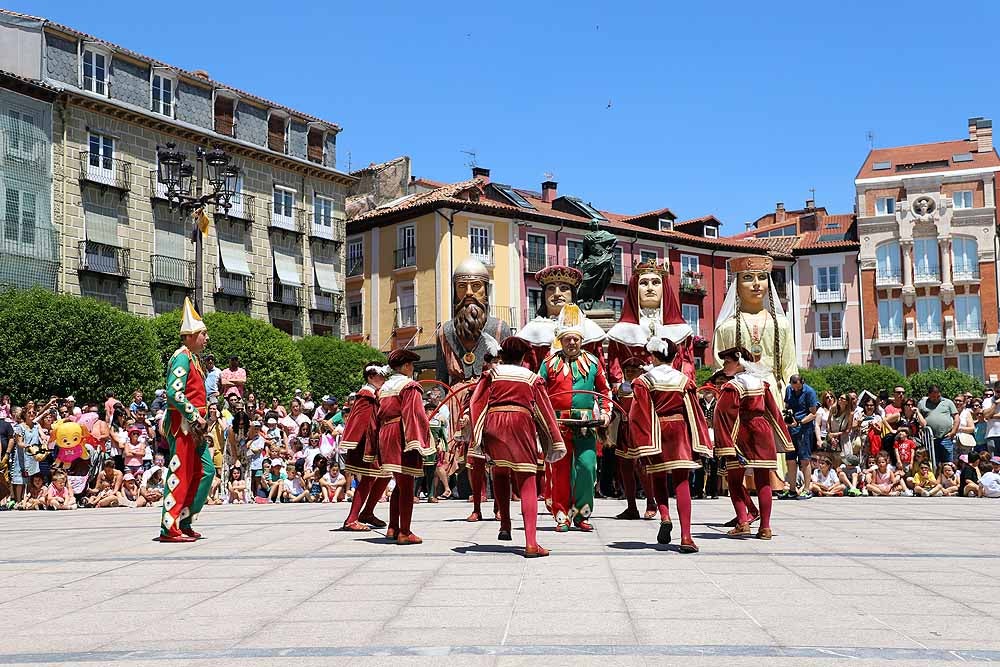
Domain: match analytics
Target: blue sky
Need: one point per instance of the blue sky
(721, 108)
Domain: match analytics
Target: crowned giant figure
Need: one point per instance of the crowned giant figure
(461, 344)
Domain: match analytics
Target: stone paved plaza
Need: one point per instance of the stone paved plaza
(859, 581)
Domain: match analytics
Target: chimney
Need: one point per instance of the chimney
(549, 191)
(810, 204)
(481, 172)
(984, 135)
(779, 213)
(972, 129)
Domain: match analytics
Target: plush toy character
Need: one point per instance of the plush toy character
(70, 441)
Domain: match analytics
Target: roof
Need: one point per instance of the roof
(469, 195)
(705, 219)
(656, 215)
(940, 152)
(190, 75)
(10, 76)
(834, 233)
(373, 167)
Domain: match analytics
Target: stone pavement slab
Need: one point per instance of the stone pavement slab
(865, 581)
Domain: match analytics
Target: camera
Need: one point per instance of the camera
(788, 416)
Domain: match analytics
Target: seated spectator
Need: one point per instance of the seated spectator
(295, 485)
(130, 495)
(335, 485)
(314, 477)
(35, 496)
(825, 481)
(882, 478)
(904, 447)
(989, 483)
(59, 495)
(236, 487)
(109, 474)
(274, 481)
(948, 480)
(152, 485)
(925, 484)
(850, 475)
(102, 496)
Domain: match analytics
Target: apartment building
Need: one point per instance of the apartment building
(275, 254)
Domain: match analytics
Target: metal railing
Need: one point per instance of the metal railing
(111, 172)
(509, 314)
(355, 266)
(484, 255)
(328, 302)
(406, 316)
(334, 232)
(928, 275)
(172, 271)
(404, 257)
(241, 207)
(233, 285)
(691, 283)
(837, 294)
(355, 325)
(894, 277)
(890, 334)
(965, 274)
(157, 190)
(966, 332)
(930, 332)
(103, 258)
(536, 261)
(830, 342)
(294, 223)
(284, 295)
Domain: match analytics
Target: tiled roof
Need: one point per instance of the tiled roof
(813, 241)
(711, 219)
(29, 82)
(462, 195)
(941, 151)
(381, 165)
(658, 213)
(190, 75)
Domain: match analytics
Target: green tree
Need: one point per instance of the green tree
(814, 378)
(951, 381)
(335, 366)
(702, 375)
(273, 363)
(873, 377)
(59, 344)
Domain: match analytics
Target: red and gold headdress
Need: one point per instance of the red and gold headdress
(558, 273)
(750, 263)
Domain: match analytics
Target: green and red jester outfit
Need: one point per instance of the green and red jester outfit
(186, 401)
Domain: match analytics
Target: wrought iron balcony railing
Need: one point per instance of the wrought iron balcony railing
(484, 255)
(406, 316)
(888, 277)
(242, 206)
(405, 257)
(233, 285)
(355, 266)
(157, 190)
(328, 302)
(110, 172)
(833, 294)
(965, 274)
(965, 331)
(536, 261)
(293, 222)
(509, 314)
(172, 271)
(838, 342)
(890, 334)
(691, 283)
(103, 258)
(333, 232)
(284, 295)
(927, 275)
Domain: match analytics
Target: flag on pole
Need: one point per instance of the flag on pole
(201, 222)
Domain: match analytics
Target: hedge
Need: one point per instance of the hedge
(951, 382)
(335, 366)
(814, 378)
(873, 377)
(273, 363)
(59, 344)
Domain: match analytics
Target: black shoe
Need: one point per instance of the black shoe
(504, 536)
(663, 537)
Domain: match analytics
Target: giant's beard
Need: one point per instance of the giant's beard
(470, 319)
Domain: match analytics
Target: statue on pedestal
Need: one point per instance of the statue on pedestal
(597, 264)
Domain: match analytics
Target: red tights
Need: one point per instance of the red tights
(682, 493)
(367, 494)
(626, 470)
(529, 501)
(741, 497)
(401, 504)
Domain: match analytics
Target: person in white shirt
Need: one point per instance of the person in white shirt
(989, 483)
(991, 411)
(825, 481)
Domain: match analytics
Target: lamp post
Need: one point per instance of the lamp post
(176, 172)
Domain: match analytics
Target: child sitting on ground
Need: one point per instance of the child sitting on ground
(59, 495)
(825, 481)
(924, 482)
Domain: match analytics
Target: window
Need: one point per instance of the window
(277, 133)
(971, 363)
(169, 246)
(537, 259)
(100, 215)
(406, 246)
(962, 199)
(354, 317)
(480, 244)
(322, 211)
(666, 225)
(616, 305)
(929, 362)
(95, 71)
(535, 297)
(967, 315)
(890, 319)
(283, 214)
(711, 232)
(225, 115)
(928, 317)
(830, 325)
(692, 315)
(648, 256)
(19, 217)
(885, 206)
(355, 258)
(619, 275)
(925, 260)
(964, 258)
(828, 279)
(887, 262)
(689, 264)
(896, 361)
(22, 135)
(163, 95)
(573, 251)
(101, 159)
(406, 306)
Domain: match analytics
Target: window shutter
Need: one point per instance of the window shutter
(276, 133)
(315, 151)
(224, 116)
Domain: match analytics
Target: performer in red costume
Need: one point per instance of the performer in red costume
(748, 429)
(627, 467)
(511, 414)
(475, 459)
(360, 442)
(404, 439)
(669, 432)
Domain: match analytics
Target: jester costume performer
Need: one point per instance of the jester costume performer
(669, 434)
(748, 428)
(360, 444)
(569, 372)
(513, 424)
(403, 441)
(190, 470)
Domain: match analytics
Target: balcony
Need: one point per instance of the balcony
(242, 207)
(536, 261)
(404, 257)
(965, 275)
(890, 335)
(284, 295)
(102, 258)
(406, 316)
(836, 294)
(157, 190)
(966, 332)
(691, 283)
(930, 332)
(484, 255)
(233, 285)
(172, 271)
(327, 302)
(334, 232)
(355, 266)
(888, 278)
(508, 314)
(355, 325)
(293, 222)
(830, 342)
(108, 172)
(927, 276)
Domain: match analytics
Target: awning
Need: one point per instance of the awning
(234, 258)
(326, 276)
(288, 272)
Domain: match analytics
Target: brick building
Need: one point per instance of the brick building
(927, 231)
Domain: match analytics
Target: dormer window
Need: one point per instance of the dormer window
(163, 88)
(225, 114)
(666, 225)
(94, 65)
(277, 132)
(316, 149)
(711, 232)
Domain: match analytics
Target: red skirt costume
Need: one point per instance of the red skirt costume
(404, 437)
(618, 428)
(513, 420)
(748, 425)
(667, 429)
(360, 439)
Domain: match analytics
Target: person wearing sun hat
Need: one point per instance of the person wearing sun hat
(183, 427)
(404, 439)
